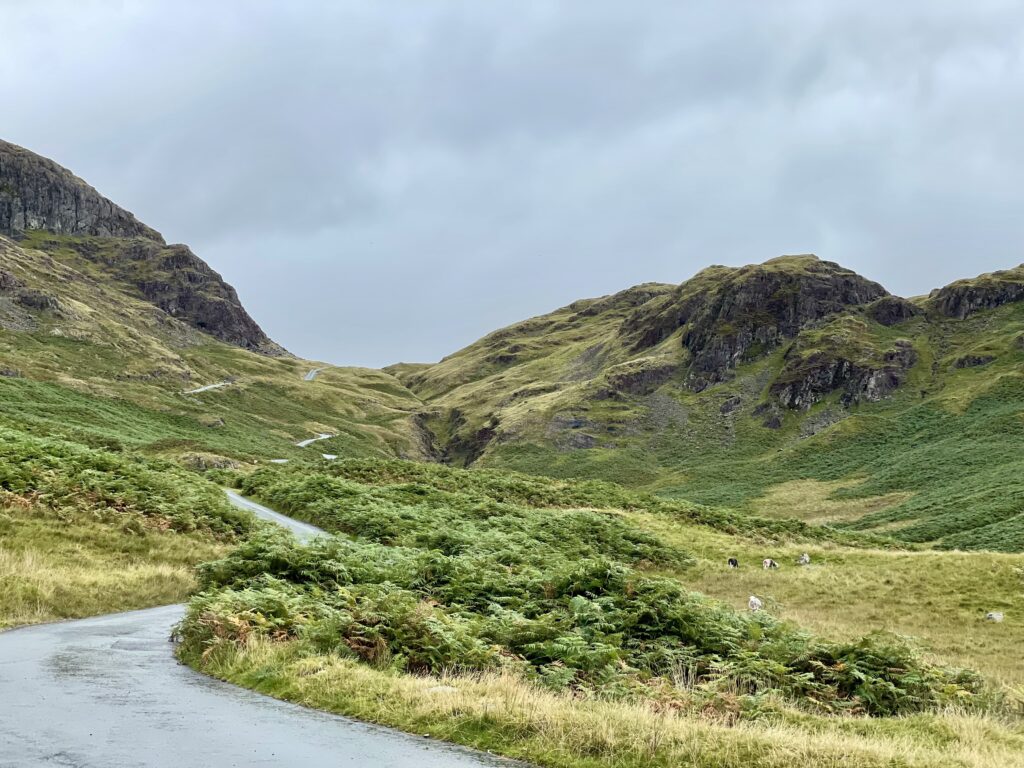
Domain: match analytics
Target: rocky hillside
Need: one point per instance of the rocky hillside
(110, 336)
(50, 209)
(740, 382)
(85, 356)
(791, 388)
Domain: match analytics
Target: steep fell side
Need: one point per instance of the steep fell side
(50, 209)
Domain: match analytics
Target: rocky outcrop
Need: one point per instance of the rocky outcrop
(14, 289)
(37, 193)
(630, 298)
(177, 281)
(806, 380)
(892, 310)
(450, 439)
(9, 282)
(37, 300)
(637, 377)
(730, 315)
(965, 297)
(973, 361)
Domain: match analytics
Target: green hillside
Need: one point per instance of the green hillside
(84, 354)
(795, 377)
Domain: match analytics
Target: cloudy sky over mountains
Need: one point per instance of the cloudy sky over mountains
(388, 181)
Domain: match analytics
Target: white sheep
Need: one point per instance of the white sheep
(996, 616)
(769, 563)
(755, 604)
(805, 559)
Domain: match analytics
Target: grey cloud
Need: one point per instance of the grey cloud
(391, 180)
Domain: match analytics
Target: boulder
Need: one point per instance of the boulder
(892, 310)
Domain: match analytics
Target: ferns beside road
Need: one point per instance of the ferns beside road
(70, 475)
(441, 579)
(449, 485)
(85, 531)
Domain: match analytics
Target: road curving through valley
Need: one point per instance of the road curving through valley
(107, 692)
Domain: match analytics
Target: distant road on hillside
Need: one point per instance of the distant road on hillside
(312, 374)
(208, 387)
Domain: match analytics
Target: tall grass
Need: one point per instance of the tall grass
(86, 531)
(502, 713)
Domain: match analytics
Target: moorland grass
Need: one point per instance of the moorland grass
(505, 714)
(70, 566)
(86, 530)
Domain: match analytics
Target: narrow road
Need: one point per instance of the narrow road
(303, 531)
(312, 374)
(310, 441)
(207, 388)
(107, 692)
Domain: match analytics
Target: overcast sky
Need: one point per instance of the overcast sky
(386, 180)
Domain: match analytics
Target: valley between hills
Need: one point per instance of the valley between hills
(530, 537)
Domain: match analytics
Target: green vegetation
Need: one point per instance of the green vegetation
(553, 621)
(107, 367)
(436, 579)
(937, 459)
(85, 531)
(580, 613)
(505, 714)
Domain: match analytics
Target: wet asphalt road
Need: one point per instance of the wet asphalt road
(107, 692)
(303, 531)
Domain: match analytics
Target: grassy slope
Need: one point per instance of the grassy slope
(506, 715)
(107, 366)
(939, 461)
(105, 369)
(70, 566)
(115, 373)
(85, 531)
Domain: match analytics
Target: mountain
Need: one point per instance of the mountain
(106, 330)
(794, 386)
(793, 410)
(55, 211)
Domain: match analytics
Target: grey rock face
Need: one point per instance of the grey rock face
(973, 361)
(729, 315)
(636, 380)
(9, 282)
(36, 193)
(965, 297)
(807, 380)
(891, 310)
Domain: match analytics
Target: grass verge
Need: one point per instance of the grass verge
(504, 714)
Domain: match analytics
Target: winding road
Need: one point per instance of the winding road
(310, 441)
(207, 388)
(107, 692)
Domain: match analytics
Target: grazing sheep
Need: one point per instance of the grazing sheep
(804, 559)
(734, 563)
(769, 563)
(995, 616)
(754, 604)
